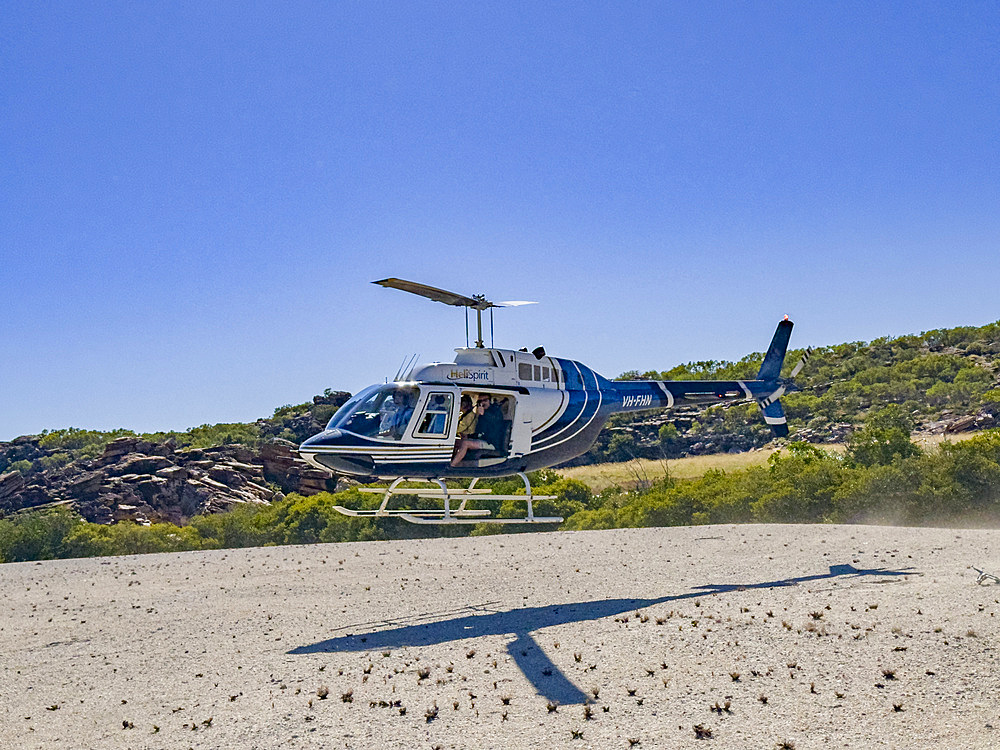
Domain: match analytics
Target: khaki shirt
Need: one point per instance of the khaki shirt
(467, 424)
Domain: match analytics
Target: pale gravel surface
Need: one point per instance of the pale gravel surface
(229, 648)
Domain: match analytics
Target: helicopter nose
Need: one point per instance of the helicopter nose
(355, 464)
(322, 438)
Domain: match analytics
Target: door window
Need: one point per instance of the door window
(436, 418)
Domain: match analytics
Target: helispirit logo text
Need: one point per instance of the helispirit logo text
(467, 374)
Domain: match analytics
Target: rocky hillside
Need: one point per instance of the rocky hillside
(948, 380)
(112, 476)
(143, 481)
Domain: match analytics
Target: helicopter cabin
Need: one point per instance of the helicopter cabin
(422, 412)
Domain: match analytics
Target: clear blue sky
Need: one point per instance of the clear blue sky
(195, 196)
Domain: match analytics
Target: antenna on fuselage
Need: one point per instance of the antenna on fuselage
(477, 302)
(405, 367)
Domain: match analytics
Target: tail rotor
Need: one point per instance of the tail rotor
(770, 370)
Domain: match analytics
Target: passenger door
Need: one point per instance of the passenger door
(435, 420)
(520, 434)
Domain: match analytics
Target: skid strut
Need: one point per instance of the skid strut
(448, 515)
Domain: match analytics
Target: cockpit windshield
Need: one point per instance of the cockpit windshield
(382, 411)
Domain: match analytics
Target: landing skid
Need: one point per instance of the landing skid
(448, 515)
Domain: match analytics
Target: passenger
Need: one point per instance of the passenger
(490, 427)
(467, 417)
(506, 405)
(479, 440)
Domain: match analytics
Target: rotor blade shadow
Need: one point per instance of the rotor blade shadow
(510, 622)
(542, 673)
(528, 655)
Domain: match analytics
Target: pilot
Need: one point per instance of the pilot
(386, 413)
(401, 416)
(488, 430)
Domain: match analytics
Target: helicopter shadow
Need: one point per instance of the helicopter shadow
(530, 658)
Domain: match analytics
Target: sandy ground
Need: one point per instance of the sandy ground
(811, 636)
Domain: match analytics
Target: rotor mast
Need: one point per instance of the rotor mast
(481, 300)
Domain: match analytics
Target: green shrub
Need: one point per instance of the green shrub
(94, 540)
(23, 466)
(55, 461)
(76, 440)
(37, 535)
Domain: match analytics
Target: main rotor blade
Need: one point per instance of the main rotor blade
(513, 303)
(438, 295)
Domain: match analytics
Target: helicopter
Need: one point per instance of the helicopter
(545, 411)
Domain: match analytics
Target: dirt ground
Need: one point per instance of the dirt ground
(712, 636)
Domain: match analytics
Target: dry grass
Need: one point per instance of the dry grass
(631, 474)
(641, 471)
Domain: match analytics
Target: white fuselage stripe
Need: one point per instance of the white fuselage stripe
(586, 399)
(667, 393)
(600, 401)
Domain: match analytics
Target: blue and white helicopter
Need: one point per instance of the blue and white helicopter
(549, 410)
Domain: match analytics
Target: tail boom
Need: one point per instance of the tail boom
(766, 389)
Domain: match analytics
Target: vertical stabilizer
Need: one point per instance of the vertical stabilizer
(775, 357)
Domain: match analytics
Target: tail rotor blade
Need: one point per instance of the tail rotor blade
(802, 362)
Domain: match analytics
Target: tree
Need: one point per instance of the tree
(668, 433)
(885, 438)
(621, 447)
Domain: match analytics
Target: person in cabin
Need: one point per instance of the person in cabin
(402, 400)
(487, 432)
(466, 417)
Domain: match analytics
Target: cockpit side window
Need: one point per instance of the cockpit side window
(436, 419)
(384, 412)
